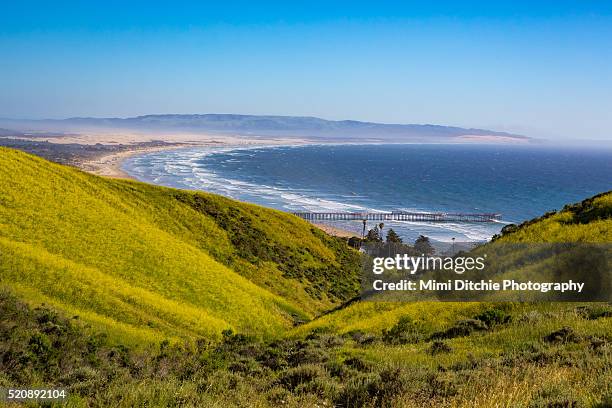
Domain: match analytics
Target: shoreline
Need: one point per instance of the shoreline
(335, 231)
(129, 144)
(110, 165)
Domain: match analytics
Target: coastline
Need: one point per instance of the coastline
(285, 197)
(110, 165)
(122, 144)
(335, 231)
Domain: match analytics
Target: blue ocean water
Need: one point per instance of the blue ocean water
(520, 182)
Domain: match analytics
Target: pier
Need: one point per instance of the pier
(399, 216)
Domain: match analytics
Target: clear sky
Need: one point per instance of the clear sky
(540, 68)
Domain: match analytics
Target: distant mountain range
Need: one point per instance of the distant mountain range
(253, 125)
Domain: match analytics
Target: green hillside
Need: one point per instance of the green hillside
(128, 271)
(490, 354)
(145, 263)
(588, 221)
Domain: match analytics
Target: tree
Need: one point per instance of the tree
(354, 242)
(364, 228)
(392, 237)
(423, 246)
(373, 235)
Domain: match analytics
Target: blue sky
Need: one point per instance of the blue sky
(541, 69)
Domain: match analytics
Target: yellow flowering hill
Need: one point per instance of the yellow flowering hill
(145, 263)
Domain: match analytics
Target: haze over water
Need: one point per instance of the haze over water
(520, 182)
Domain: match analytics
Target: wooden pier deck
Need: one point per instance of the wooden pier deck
(399, 216)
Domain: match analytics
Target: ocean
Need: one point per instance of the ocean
(520, 182)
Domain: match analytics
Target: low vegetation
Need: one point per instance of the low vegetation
(130, 295)
(587, 221)
(528, 355)
(146, 263)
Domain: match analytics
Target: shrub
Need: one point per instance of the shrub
(441, 386)
(493, 317)
(597, 343)
(302, 374)
(606, 402)
(40, 345)
(374, 390)
(357, 392)
(246, 366)
(358, 364)
(555, 397)
(439, 347)
(362, 338)
(307, 354)
(405, 331)
(461, 329)
(531, 317)
(594, 312)
(563, 335)
(322, 387)
(279, 396)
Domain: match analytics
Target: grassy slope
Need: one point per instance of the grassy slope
(145, 263)
(113, 253)
(512, 362)
(588, 221)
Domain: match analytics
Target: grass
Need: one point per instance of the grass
(132, 295)
(509, 364)
(129, 257)
(521, 361)
(587, 221)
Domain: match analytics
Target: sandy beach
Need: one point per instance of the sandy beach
(336, 232)
(129, 144)
(110, 165)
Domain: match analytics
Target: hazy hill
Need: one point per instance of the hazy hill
(254, 125)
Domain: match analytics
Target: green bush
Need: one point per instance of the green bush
(405, 331)
(563, 335)
(461, 329)
(306, 373)
(439, 347)
(493, 317)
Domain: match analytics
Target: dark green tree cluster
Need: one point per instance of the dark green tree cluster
(392, 243)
